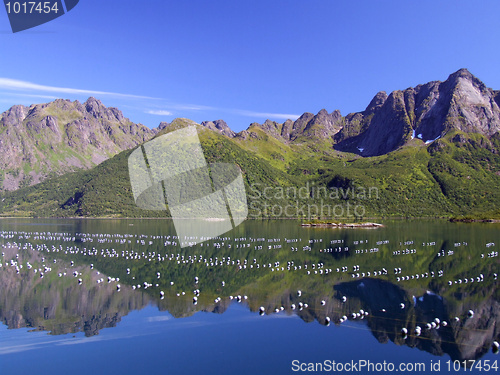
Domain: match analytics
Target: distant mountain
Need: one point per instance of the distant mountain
(425, 112)
(219, 126)
(46, 140)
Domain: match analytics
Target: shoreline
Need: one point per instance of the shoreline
(342, 225)
(466, 220)
(452, 220)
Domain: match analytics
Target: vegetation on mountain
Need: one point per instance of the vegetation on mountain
(434, 152)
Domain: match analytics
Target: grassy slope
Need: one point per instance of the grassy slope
(442, 179)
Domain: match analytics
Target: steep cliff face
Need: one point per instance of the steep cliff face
(426, 112)
(324, 125)
(50, 139)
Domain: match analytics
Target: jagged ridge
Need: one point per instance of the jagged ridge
(50, 139)
(425, 112)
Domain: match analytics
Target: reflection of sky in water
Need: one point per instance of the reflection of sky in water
(152, 342)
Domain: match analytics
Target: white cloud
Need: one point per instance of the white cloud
(284, 116)
(30, 89)
(14, 84)
(159, 112)
(50, 97)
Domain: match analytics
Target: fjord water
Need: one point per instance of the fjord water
(327, 294)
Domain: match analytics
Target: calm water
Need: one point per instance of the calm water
(117, 296)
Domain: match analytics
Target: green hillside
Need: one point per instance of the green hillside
(454, 176)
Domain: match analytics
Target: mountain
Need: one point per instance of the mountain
(46, 140)
(219, 126)
(435, 152)
(446, 178)
(425, 112)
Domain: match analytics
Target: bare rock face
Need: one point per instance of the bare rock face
(323, 125)
(426, 112)
(54, 138)
(219, 126)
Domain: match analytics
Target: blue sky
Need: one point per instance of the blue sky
(245, 61)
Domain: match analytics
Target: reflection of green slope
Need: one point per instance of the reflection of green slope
(58, 304)
(274, 289)
(264, 283)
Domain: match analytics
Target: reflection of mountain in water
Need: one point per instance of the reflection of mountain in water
(270, 279)
(392, 309)
(59, 304)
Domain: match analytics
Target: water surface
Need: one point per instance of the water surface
(267, 294)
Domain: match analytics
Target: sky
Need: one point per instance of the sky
(245, 61)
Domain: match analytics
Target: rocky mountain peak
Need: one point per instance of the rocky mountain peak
(219, 126)
(425, 112)
(462, 73)
(93, 106)
(377, 101)
(14, 115)
(162, 125)
(62, 136)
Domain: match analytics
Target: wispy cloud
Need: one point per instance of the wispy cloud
(284, 116)
(192, 107)
(38, 96)
(160, 112)
(27, 89)
(14, 84)
(240, 112)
